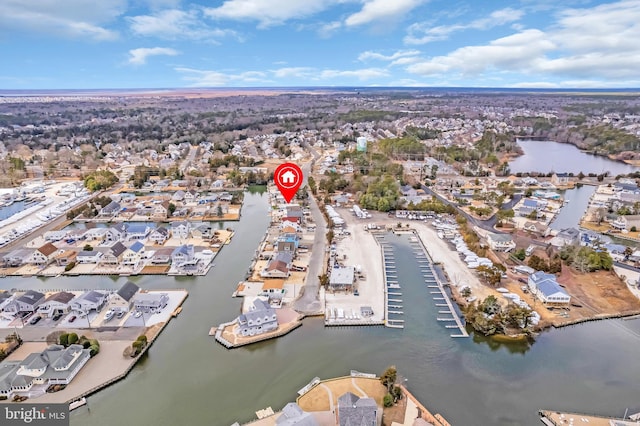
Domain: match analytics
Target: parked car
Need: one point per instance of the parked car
(109, 315)
(72, 319)
(35, 320)
(120, 314)
(138, 314)
(56, 317)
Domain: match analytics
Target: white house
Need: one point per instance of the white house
(501, 242)
(150, 302)
(182, 255)
(89, 301)
(133, 254)
(28, 302)
(57, 303)
(545, 287)
(43, 255)
(89, 256)
(260, 319)
(122, 300)
(159, 235)
(180, 229)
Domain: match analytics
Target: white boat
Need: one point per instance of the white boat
(502, 290)
(79, 403)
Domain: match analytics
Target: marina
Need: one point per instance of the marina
(392, 316)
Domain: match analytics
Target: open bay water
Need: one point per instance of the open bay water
(189, 379)
(549, 156)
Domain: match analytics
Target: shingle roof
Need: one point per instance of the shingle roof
(117, 249)
(31, 297)
(48, 249)
(62, 297)
(128, 290)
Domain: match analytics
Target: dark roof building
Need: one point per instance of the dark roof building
(355, 411)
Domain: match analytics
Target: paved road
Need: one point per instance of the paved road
(625, 266)
(487, 224)
(309, 302)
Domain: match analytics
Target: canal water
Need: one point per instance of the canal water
(188, 379)
(577, 202)
(548, 156)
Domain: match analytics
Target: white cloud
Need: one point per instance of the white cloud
(535, 85)
(207, 78)
(588, 46)
(365, 56)
(293, 72)
(360, 74)
(422, 33)
(70, 18)
(139, 56)
(374, 10)
(268, 12)
(328, 29)
(175, 24)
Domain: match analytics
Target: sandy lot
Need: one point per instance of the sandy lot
(324, 396)
(361, 249)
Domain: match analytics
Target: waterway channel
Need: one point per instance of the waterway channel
(549, 156)
(188, 379)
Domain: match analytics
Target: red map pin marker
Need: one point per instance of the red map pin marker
(288, 178)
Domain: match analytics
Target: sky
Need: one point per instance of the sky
(89, 44)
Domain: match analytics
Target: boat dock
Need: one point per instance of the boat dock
(556, 418)
(392, 299)
(436, 289)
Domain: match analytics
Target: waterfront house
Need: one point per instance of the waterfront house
(545, 287)
(260, 319)
(536, 228)
(122, 300)
(161, 210)
(162, 255)
(203, 231)
(278, 266)
(190, 196)
(88, 256)
(150, 302)
(56, 365)
(66, 257)
(620, 223)
(288, 243)
(98, 234)
(113, 256)
(159, 235)
(529, 206)
(353, 410)
(110, 210)
(53, 236)
(178, 195)
(28, 302)
(501, 242)
(134, 254)
(91, 300)
(225, 196)
(560, 179)
(116, 233)
(57, 303)
(217, 184)
(180, 229)
(567, 236)
(342, 277)
(43, 255)
(16, 257)
(182, 255)
(137, 231)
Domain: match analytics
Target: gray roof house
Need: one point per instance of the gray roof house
(567, 236)
(28, 302)
(54, 365)
(180, 229)
(342, 277)
(134, 254)
(159, 235)
(111, 209)
(137, 231)
(547, 289)
(292, 415)
(182, 255)
(150, 302)
(57, 303)
(122, 300)
(260, 319)
(16, 257)
(88, 256)
(89, 301)
(116, 233)
(355, 411)
(278, 266)
(113, 256)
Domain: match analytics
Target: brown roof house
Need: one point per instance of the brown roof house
(43, 255)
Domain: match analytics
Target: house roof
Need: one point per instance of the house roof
(162, 231)
(292, 414)
(260, 309)
(277, 265)
(117, 249)
(150, 299)
(285, 257)
(137, 228)
(128, 290)
(354, 411)
(86, 253)
(48, 249)
(31, 297)
(136, 247)
(501, 238)
(275, 283)
(61, 297)
(342, 276)
(92, 296)
(550, 288)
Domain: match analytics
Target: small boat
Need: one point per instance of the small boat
(502, 290)
(78, 403)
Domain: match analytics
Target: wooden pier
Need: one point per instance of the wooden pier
(391, 305)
